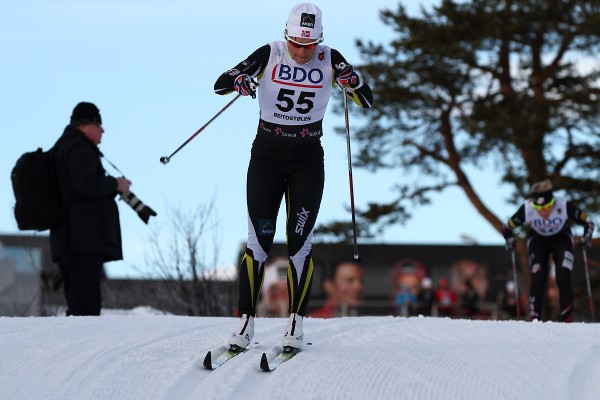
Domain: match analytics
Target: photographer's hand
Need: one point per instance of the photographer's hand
(123, 185)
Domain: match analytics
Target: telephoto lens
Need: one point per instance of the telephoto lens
(142, 210)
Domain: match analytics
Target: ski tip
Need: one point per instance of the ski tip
(208, 361)
(264, 363)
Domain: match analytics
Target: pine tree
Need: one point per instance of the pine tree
(509, 86)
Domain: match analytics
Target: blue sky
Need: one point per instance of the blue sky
(150, 67)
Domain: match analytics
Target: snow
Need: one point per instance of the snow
(141, 355)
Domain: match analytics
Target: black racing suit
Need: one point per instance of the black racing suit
(286, 161)
(540, 247)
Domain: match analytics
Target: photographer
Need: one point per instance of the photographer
(89, 233)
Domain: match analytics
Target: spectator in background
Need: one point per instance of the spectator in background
(274, 299)
(445, 298)
(473, 271)
(507, 301)
(344, 289)
(425, 297)
(405, 301)
(469, 300)
(407, 271)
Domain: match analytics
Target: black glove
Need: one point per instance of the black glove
(509, 236)
(346, 76)
(586, 239)
(138, 206)
(511, 244)
(507, 232)
(245, 85)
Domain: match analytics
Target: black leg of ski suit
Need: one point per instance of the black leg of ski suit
(540, 249)
(294, 171)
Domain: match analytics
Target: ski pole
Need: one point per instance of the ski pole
(517, 298)
(356, 256)
(165, 160)
(587, 280)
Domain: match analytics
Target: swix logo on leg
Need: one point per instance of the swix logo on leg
(302, 218)
(297, 76)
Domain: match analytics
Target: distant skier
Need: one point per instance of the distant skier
(549, 233)
(295, 78)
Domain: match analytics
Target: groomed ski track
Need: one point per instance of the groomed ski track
(160, 357)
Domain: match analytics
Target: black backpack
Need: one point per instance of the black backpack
(35, 185)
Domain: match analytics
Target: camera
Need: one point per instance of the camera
(142, 210)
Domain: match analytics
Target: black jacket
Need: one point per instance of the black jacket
(90, 224)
